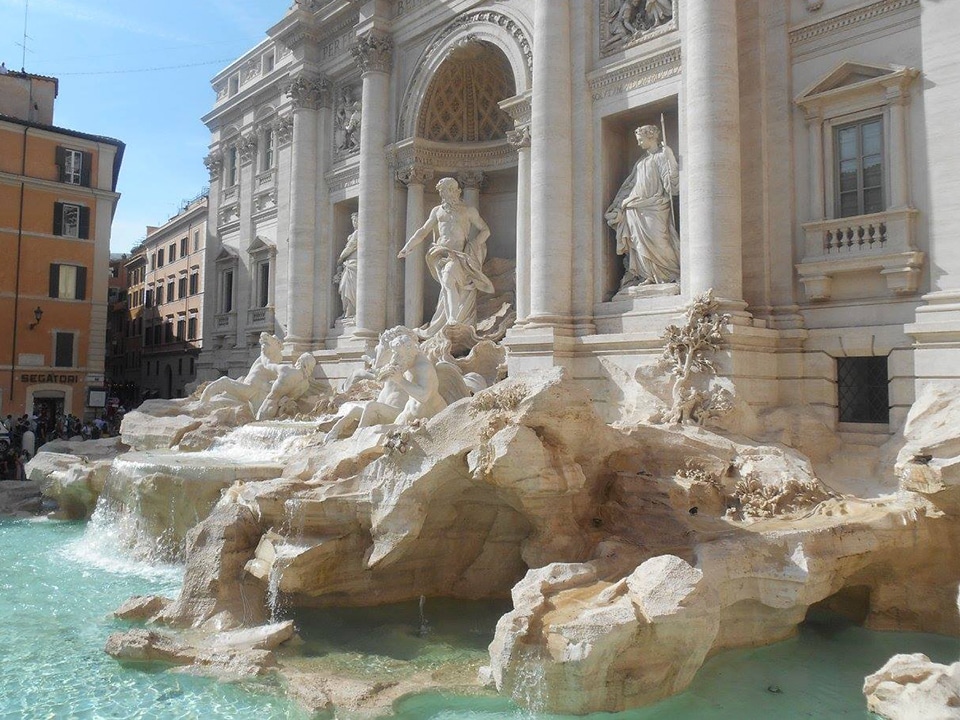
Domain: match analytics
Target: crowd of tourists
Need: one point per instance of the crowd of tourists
(23, 436)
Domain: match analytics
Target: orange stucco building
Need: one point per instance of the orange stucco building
(57, 200)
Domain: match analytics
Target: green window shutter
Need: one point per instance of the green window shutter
(61, 161)
(84, 223)
(54, 280)
(58, 218)
(85, 169)
(81, 283)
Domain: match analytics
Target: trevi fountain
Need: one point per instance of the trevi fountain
(551, 476)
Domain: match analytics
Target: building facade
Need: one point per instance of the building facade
(817, 184)
(166, 302)
(57, 199)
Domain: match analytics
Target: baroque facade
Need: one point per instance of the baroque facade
(817, 197)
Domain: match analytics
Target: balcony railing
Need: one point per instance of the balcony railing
(261, 317)
(882, 243)
(225, 323)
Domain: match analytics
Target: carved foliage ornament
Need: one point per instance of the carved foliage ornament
(374, 52)
(214, 164)
(519, 138)
(284, 129)
(414, 175)
(308, 92)
(247, 147)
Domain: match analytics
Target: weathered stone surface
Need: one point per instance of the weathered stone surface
(74, 481)
(141, 607)
(929, 461)
(214, 595)
(911, 687)
(20, 498)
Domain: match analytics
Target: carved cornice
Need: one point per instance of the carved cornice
(850, 19)
(247, 147)
(284, 129)
(451, 158)
(374, 52)
(641, 72)
(414, 175)
(309, 92)
(519, 108)
(519, 138)
(343, 177)
(214, 164)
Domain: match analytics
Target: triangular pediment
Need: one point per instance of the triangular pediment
(261, 244)
(226, 254)
(848, 74)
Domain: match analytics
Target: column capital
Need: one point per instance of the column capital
(520, 137)
(374, 52)
(284, 129)
(247, 147)
(414, 175)
(472, 179)
(309, 92)
(214, 164)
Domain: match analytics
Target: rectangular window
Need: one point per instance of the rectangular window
(266, 157)
(226, 300)
(68, 282)
(148, 299)
(74, 166)
(171, 289)
(160, 258)
(182, 287)
(168, 330)
(196, 240)
(157, 330)
(231, 163)
(263, 284)
(159, 295)
(70, 220)
(862, 390)
(194, 283)
(181, 329)
(63, 356)
(192, 331)
(183, 247)
(859, 168)
(172, 252)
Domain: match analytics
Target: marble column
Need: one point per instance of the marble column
(307, 94)
(520, 139)
(414, 266)
(373, 53)
(470, 182)
(815, 149)
(551, 167)
(713, 219)
(898, 172)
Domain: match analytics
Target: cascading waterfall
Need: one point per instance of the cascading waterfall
(528, 683)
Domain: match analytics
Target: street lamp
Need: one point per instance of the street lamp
(38, 313)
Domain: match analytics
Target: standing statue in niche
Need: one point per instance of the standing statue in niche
(455, 258)
(642, 214)
(349, 117)
(346, 277)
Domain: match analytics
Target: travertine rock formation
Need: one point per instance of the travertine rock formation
(911, 687)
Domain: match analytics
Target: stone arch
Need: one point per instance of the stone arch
(493, 27)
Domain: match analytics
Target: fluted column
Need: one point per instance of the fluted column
(374, 53)
(712, 159)
(307, 94)
(520, 139)
(414, 266)
(551, 167)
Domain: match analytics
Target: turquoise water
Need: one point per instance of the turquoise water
(57, 590)
(58, 587)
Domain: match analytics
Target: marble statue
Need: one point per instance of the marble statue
(455, 259)
(346, 277)
(254, 387)
(293, 381)
(633, 17)
(642, 214)
(349, 117)
(411, 386)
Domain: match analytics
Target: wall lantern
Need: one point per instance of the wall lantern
(38, 313)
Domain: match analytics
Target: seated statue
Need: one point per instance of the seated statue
(255, 385)
(293, 381)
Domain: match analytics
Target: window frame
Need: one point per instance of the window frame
(836, 125)
(57, 334)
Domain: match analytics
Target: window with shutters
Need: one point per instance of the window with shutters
(160, 258)
(148, 298)
(181, 329)
(160, 294)
(182, 288)
(168, 329)
(192, 330)
(171, 289)
(71, 220)
(75, 166)
(172, 252)
(183, 247)
(63, 351)
(68, 282)
(194, 283)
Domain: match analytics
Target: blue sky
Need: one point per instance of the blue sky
(91, 45)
